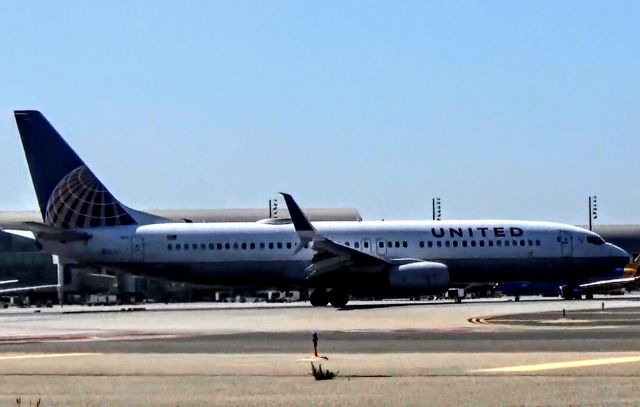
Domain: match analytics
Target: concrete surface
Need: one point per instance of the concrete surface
(390, 353)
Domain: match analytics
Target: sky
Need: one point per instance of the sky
(511, 110)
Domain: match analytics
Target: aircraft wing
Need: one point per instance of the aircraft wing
(630, 280)
(22, 290)
(627, 283)
(330, 256)
(8, 282)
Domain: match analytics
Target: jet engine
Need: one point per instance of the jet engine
(423, 277)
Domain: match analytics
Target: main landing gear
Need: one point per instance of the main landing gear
(337, 297)
(319, 298)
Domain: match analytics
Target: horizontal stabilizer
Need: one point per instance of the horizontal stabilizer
(45, 232)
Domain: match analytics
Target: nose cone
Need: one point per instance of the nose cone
(620, 255)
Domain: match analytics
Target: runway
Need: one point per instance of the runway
(475, 353)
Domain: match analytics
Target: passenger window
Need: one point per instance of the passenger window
(270, 245)
(279, 245)
(439, 243)
(490, 243)
(346, 244)
(262, 245)
(244, 246)
(211, 246)
(506, 243)
(422, 243)
(381, 245)
(389, 244)
(405, 244)
(498, 243)
(186, 246)
(447, 244)
(288, 245)
(366, 244)
(203, 246)
(172, 237)
(170, 247)
(227, 246)
(537, 243)
(194, 246)
(530, 242)
(178, 247)
(235, 246)
(356, 245)
(464, 243)
(430, 244)
(252, 246)
(481, 243)
(219, 246)
(473, 243)
(397, 244)
(455, 243)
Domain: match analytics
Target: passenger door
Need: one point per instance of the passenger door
(566, 244)
(381, 247)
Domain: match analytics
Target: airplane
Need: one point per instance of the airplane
(85, 225)
(629, 280)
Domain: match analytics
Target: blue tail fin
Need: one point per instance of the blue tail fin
(69, 195)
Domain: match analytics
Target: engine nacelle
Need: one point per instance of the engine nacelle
(424, 277)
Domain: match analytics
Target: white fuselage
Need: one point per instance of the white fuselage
(258, 254)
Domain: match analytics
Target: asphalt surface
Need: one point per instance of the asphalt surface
(556, 340)
(477, 353)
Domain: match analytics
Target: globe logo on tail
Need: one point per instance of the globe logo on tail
(81, 201)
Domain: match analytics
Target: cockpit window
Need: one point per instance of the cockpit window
(597, 240)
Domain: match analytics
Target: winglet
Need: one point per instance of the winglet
(304, 228)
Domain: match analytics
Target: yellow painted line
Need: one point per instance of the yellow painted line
(46, 355)
(560, 365)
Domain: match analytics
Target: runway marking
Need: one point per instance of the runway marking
(47, 355)
(560, 365)
(481, 320)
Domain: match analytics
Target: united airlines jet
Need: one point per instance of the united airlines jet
(86, 226)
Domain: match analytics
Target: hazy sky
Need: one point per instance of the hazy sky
(503, 109)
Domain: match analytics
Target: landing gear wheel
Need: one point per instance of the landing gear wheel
(338, 298)
(319, 298)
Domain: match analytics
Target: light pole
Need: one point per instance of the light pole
(273, 208)
(593, 210)
(436, 208)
